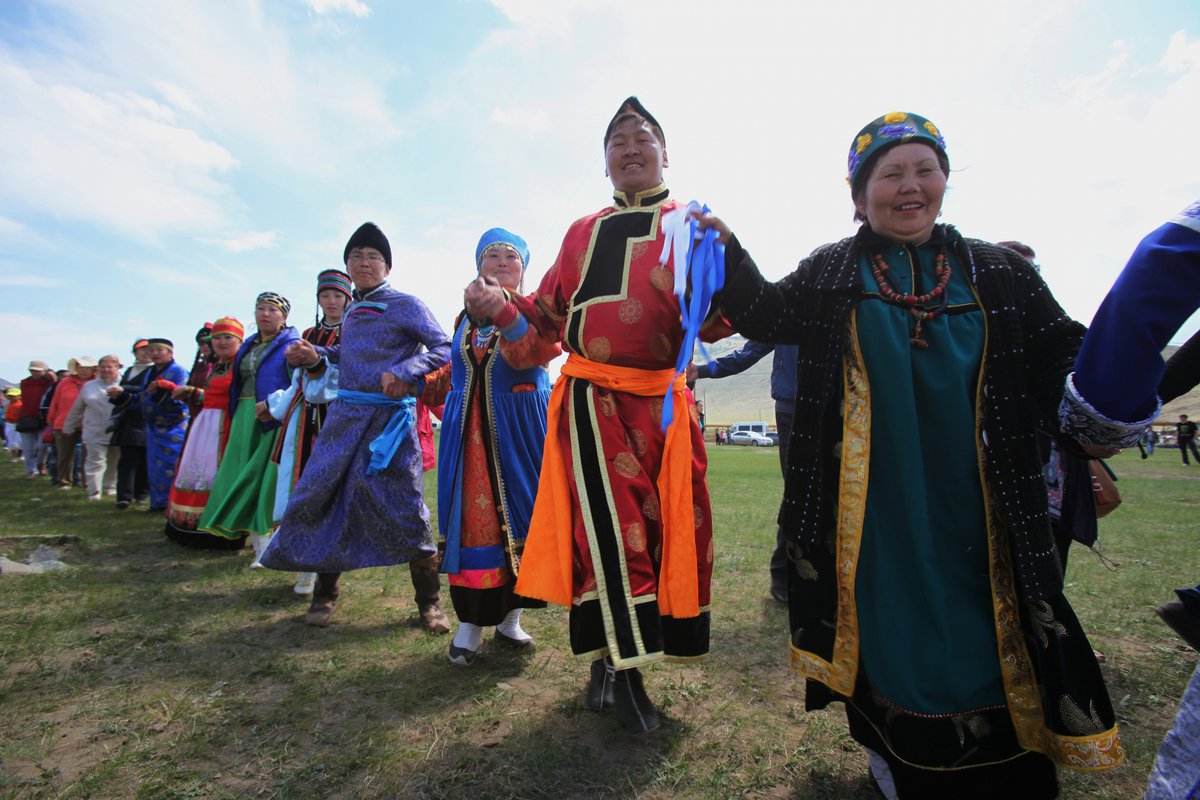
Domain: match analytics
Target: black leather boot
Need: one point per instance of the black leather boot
(599, 694)
(635, 712)
(427, 586)
(324, 599)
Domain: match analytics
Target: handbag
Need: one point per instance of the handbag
(1104, 488)
(29, 424)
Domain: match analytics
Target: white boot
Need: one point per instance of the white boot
(259, 542)
(510, 632)
(305, 583)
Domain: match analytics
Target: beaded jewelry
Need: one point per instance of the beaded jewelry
(916, 304)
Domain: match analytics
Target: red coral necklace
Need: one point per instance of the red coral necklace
(915, 303)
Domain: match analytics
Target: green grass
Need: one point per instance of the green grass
(151, 671)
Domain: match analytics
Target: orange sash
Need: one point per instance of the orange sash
(545, 571)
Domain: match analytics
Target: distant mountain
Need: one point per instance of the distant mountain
(747, 397)
(738, 398)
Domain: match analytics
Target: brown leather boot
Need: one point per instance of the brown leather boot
(324, 599)
(428, 587)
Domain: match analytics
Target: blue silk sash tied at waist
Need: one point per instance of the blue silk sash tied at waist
(384, 446)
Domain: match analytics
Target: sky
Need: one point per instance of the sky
(163, 163)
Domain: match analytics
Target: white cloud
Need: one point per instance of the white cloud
(355, 7)
(246, 242)
(29, 281)
(529, 120)
(114, 159)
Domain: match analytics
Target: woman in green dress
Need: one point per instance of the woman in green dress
(242, 502)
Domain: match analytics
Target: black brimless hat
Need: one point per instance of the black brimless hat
(369, 235)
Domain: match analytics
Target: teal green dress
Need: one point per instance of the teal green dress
(243, 494)
(922, 588)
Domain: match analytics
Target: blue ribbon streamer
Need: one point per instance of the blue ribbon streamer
(703, 265)
(384, 446)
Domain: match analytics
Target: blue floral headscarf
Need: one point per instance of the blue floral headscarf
(898, 127)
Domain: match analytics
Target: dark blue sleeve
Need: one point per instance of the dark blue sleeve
(1120, 362)
(738, 361)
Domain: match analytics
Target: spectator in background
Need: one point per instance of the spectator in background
(1185, 436)
(783, 392)
(89, 417)
(128, 429)
(165, 417)
(30, 424)
(12, 412)
(79, 371)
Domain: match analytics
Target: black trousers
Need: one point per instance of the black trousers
(1188, 443)
(133, 484)
(779, 565)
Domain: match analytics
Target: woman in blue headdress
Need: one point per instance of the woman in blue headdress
(495, 388)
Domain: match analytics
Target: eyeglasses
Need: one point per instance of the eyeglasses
(359, 255)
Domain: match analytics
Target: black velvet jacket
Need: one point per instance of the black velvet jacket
(1030, 349)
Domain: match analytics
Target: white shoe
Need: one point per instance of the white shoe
(305, 583)
(259, 542)
(510, 632)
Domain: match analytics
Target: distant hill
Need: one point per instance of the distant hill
(738, 398)
(747, 397)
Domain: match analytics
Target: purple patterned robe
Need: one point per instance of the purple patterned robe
(339, 519)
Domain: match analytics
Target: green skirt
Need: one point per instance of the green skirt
(243, 493)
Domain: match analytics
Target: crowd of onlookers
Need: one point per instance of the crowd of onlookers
(72, 426)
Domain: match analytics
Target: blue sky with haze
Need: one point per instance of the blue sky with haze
(162, 163)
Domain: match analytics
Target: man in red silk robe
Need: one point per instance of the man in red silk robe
(622, 528)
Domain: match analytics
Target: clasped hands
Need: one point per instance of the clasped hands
(484, 298)
(301, 353)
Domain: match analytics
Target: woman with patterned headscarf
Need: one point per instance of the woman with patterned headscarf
(302, 416)
(242, 501)
(205, 443)
(924, 586)
(495, 388)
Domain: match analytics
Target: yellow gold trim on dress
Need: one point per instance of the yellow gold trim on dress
(1087, 753)
(506, 527)
(686, 659)
(574, 307)
(606, 613)
(1016, 667)
(632, 202)
(840, 673)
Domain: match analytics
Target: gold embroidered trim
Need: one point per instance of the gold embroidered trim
(840, 673)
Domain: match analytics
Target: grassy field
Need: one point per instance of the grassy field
(151, 671)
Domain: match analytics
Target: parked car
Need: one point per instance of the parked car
(751, 438)
(761, 428)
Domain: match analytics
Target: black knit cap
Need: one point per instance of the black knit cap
(159, 340)
(369, 235)
(632, 107)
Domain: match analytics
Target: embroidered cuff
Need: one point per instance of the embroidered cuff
(507, 315)
(317, 369)
(1083, 423)
(512, 325)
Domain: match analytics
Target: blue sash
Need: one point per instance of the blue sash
(385, 445)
